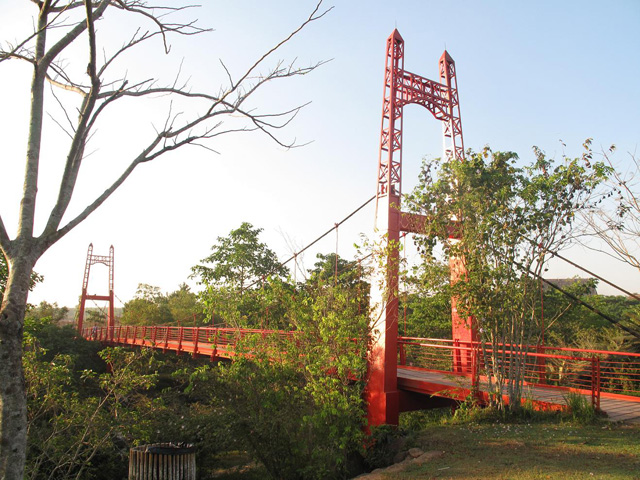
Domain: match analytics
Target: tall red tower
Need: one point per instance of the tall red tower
(92, 260)
(441, 99)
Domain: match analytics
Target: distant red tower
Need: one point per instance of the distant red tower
(92, 260)
(441, 99)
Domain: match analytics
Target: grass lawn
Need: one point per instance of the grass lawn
(547, 447)
(528, 451)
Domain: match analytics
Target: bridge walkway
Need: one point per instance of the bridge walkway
(617, 407)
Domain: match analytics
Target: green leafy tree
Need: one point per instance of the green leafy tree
(332, 270)
(48, 310)
(80, 420)
(508, 218)
(151, 307)
(95, 317)
(88, 405)
(296, 403)
(425, 303)
(239, 260)
(148, 307)
(566, 322)
(235, 277)
(185, 307)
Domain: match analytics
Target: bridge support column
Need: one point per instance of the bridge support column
(441, 99)
(464, 332)
(382, 387)
(109, 262)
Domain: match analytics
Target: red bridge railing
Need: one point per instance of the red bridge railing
(595, 371)
(211, 341)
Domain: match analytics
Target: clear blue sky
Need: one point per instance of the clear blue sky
(529, 73)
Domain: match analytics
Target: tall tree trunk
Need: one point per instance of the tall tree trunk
(13, 402)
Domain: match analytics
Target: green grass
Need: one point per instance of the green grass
(486, 446)
(519, 451)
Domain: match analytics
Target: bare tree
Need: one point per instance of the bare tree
(617, 220)
(64, 28)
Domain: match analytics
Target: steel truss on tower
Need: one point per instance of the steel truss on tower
(92, 260)
(441, 99)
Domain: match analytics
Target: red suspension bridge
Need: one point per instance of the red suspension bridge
(407, 373)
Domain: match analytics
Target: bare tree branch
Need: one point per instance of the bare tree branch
(73, 34)
(64, 110)
(163, 28)
(200, 119)
(617, 224)
(5, 241)
(74, 158)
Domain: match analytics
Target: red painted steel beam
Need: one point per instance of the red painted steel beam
(401, 88)
(92, 260)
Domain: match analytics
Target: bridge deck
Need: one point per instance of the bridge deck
(219, 343)
(458, 387)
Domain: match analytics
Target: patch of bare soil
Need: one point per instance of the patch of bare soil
(414, 456)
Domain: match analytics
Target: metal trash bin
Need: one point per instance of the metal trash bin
(162, 461)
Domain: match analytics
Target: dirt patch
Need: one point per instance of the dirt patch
(415, 456)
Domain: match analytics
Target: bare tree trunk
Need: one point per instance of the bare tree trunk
(13, 402)
(74, 22)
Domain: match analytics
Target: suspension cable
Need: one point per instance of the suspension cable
(556, 254)
(335, 227)
(580, 301)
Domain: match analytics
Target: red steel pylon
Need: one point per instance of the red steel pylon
(441, 99)
(92, 260)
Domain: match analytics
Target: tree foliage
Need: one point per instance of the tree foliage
(507, 218)
(48, 310)
(331, 270)
(151, 307)
(239, 261)
(81, 415)
(235, 276)
(88, 405)
(567, 323)
(425, 303)
(296, 404)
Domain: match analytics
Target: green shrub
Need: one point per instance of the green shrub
(580, 408)
(383, 444)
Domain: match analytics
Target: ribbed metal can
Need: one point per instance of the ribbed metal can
(162, 461)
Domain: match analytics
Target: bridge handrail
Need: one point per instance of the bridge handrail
(402, 339)
(584, 369)
(471, 349)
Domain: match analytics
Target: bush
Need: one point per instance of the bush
(580, 409)
(383, 445)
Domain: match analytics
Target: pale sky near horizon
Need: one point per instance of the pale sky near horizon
(542, 73)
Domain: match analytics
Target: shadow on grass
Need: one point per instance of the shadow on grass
(535, 450)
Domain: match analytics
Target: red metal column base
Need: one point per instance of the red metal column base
(383, 408)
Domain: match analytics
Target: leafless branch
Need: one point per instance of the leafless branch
(14, 52)
(5, 241)
(78, 142)
(64, 110)
(617, 224)
(174, 134)
(163, 28)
